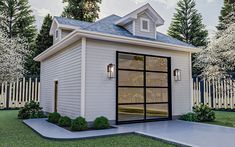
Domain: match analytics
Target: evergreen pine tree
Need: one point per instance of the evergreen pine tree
(16, 19)
(228, 11)
(84, 10)
(43, 41)
(187, 26)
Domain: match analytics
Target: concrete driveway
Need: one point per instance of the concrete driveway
(188, 133)
(179, 132)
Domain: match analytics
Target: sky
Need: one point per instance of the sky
(210, 10)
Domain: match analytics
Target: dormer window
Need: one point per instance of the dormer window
(56, 34)
(144, 25)
(142, 22)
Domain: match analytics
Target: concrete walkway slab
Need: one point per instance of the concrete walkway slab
(180, 132)
(52, 131)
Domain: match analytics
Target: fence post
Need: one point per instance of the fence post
(36, 89)
(39, 91)
(10, 95)
(14, 95)
(225, 94)
(213, 90)
(1, 96)
(33, 98)
(209, 93)
(231, 93)
(26, 92)
(7, 95)
(23, 95)
(30, 82)
(216, 94)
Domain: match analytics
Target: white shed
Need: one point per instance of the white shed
(118, 67)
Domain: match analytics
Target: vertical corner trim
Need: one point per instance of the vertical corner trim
(83, 77)
(191, 81)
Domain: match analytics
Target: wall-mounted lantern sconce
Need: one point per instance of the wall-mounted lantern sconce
(177, 74)
(110, 70)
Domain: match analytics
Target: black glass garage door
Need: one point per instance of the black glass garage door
(143, 88)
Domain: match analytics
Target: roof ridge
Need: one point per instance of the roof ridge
(102, 20)
(73, 19)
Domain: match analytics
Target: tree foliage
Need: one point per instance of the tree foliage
(16, 19)
(187, 24)
(84, 10)
(228, 11)
(12, 57)
(218, 59)
(42, 42)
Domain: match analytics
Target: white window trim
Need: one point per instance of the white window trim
(141, 25)
(59, 34)
(133, 27)
(56, 33)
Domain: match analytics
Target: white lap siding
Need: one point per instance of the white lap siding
(101, 91)
(65, 67)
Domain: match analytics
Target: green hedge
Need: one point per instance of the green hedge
(31, 110)
(65, 121)
(54, 117)
(79, 124)
(204, 113)
(101, 123)
(201, 113)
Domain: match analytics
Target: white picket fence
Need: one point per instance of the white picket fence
(217, 93)
(16, 94)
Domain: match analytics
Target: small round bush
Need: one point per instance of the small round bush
(30, 110)
(64, 121)
(37, 114)
(189, 117)
(204, 113)
(79, 124)
(54, 117)
(101, 123)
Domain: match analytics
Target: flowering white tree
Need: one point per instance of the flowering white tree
(218, 59)
(12, 56)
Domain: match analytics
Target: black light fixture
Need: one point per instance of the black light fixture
(177, 74)
(110, 70)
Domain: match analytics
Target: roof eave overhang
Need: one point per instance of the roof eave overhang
(77, 34)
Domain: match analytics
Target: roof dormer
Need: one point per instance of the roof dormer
(142, 22)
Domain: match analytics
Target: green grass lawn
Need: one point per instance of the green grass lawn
(224, 119)
(13, 133)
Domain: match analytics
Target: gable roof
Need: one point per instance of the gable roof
(133, 15)
(107, 25)
(107, 30)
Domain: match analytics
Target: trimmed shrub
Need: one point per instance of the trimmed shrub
(31, 110)
(64, 121)
(79, 124)
(54, 117)
(101, 123)
(204, 113)
(37, 114)
(189, 117)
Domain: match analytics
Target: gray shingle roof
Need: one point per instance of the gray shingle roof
(107, 26)
(72, 22)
